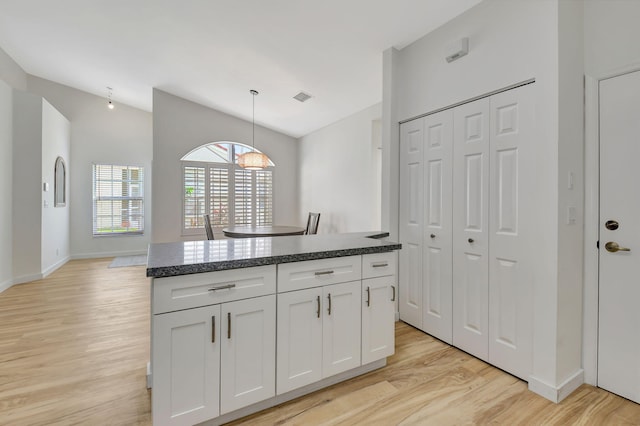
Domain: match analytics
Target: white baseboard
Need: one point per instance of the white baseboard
(107, 254)
(55, 266)
(553, 393)
(5, 285)
(27, 278)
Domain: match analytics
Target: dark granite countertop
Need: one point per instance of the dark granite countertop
(193, 257)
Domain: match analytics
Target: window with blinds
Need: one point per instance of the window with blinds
(118, 200)
(214, 184)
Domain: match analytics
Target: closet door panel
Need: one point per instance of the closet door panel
(411, 221)
(471, 137)
(511, 227)
(437, 290)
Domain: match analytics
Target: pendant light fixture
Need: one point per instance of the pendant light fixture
(253, 160)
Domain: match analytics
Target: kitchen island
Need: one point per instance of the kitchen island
(240, 325)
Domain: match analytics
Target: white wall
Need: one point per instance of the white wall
(180, 126)
(27, 198)
(11, 72)
(99, 135)
(510, 42)
(56, 137)
(6, 186)
(339, 174)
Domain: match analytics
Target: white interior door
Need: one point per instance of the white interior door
(470, 228)
(511, 220)
(619, 288)
(437, 288)
(411, 221)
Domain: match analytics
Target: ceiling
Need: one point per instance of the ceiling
(214, 51)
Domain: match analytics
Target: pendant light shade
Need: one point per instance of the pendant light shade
(253, 160)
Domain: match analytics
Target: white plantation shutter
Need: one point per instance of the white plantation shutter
(230, 194)
(219, 207)
(264, 197)
(194, 196)
(243, 197)
(118, 199)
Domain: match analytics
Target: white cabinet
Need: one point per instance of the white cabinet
(211, 360)
(466, 263)
(378, 314)
(248, 352)
(299, 338)
(318, 334)
(341, 328)
(186, 366)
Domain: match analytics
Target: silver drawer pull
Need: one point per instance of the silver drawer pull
(324, 273)
(380, 265)
(222, 287)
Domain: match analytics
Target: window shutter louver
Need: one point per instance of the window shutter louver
(118, 200)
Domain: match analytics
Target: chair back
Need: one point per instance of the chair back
(208, 228)
(312, 223)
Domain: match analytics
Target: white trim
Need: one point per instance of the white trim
(107, 254)
(5, 285)
(591, 232)
(46, 272)
(27, 278)
(556, 394)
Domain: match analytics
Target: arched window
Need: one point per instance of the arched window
(214, 184)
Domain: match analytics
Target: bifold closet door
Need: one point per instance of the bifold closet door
(437, 288)
(411, 221)
(512, 209)
(471, 136)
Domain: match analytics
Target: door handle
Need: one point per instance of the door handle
(613, 247)
(318, 311)
(368, 296)
(228, 325)
(329, 296)
(393, 287)
(213, 329)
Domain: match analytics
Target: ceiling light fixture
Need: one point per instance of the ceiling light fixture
(253, 160)
(110, 104)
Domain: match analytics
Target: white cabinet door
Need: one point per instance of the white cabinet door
(186, 366)
(470, 228)
(378, 312)
(299, 339)
(437, 289)
(411, 218)
(341, 328)
(248, 350)
(511, 268)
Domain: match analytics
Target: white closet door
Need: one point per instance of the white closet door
(411, 217)
(512, 209)
(437, 289)
(470, 228)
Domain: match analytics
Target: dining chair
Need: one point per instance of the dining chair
(208, 228)
(312, 223)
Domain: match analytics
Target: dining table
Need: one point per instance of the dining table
(243, 231)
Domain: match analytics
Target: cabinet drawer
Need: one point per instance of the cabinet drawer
(191, 291)
(314, 273)
(379, 264)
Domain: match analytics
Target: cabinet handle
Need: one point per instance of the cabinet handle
(393, 287)
(432, 235)
(213, 329)
(470, 240)
(380, 265)
(323, 273)
(222, 287)
(329, 303)
(318, 310)
(368, 296)
(228, 325)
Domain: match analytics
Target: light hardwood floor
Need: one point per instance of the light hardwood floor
(74, 348)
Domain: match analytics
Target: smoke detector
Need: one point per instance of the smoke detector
(302, 97)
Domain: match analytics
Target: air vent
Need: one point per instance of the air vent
(302, 97)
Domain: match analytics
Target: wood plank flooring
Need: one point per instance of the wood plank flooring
(74, 348)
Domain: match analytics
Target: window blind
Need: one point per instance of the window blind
(118, 199)
(194, 196)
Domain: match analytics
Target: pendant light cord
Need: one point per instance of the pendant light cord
(253, 121)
